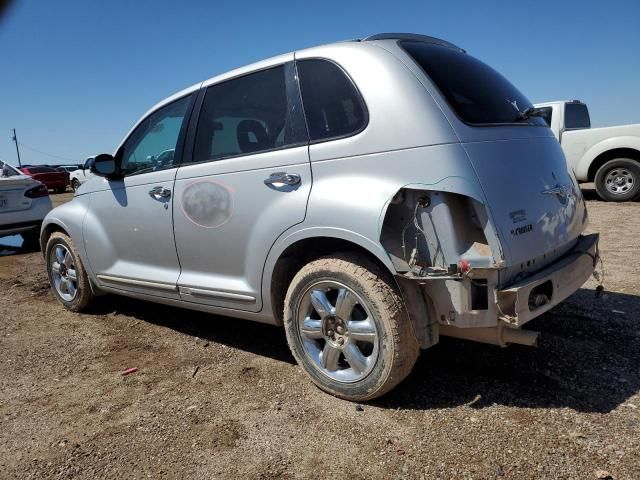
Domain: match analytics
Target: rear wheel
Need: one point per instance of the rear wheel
(347, 327)
(618, 180)
(75, 184)
(68, 278)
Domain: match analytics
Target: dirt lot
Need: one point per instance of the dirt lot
(222, 398)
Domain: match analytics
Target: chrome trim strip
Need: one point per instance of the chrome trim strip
(238, 297)
(137, 283)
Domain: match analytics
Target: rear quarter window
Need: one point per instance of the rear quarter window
(476, 92)
(332, 105)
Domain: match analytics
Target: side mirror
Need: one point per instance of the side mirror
(105, 165)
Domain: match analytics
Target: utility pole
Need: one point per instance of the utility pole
(15, 139)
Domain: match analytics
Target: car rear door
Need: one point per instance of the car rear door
(247, 181)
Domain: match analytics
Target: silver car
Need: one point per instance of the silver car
(368, 195)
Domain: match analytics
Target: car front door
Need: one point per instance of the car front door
(128, 230)
(248, 181)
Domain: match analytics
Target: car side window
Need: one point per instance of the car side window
(152, 144)
(246, 115)
(332, 105)
(545, 114)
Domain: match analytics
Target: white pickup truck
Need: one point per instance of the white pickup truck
(609, 156)
(81, 175)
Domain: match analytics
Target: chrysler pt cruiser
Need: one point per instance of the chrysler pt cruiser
(369, 196)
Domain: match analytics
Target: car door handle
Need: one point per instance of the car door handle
(283, 178)
(159, 193)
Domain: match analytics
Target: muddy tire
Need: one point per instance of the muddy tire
(347, 327)
(618, 180)
(67, 275)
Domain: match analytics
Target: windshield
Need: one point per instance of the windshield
(475, 91)
(7, 170)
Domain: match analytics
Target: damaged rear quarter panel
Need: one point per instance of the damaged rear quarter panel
(354, 193)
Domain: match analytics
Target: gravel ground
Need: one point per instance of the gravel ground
(222, 398)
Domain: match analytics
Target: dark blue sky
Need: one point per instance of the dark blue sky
(74, 76)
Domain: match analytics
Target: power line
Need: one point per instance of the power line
(59, 157)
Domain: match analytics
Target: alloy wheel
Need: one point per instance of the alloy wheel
(65, 276)
(338, 333)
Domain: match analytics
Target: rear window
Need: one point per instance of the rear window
(332, 105)
(7, 170)
(475, 91)
(576, 116)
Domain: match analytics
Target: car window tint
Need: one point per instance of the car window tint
(41, 169)
(332, 105)
(152, 144)
(545, 114)
(576, 115)
(475, 91)
(245, 115)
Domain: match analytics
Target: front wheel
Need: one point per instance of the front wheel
(75, 184)
(618, 180)
(347, 327)
(68, 278)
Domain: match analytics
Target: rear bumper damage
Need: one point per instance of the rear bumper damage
(536, 294)
(473, 307)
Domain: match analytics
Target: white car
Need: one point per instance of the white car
(609, 156)
(81, 175)
(24, 202)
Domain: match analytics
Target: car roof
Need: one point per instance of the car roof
(278, 59)
(283, 58)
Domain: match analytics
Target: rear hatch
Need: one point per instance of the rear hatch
(535, 205)
(537, 210)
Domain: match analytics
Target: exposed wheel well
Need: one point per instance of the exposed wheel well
(299, 254)
(46, 233)
(610, 155)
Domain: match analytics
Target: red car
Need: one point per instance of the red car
(52, 179)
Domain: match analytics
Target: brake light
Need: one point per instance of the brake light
(37, 192)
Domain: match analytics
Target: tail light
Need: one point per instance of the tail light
(37, 192)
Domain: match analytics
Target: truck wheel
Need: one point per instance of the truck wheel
(68, 278)
(347, 327)
(75, 184)
(618, 180)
